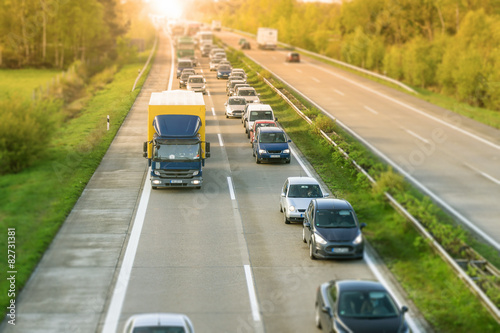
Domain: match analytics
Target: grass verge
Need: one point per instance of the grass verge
(20, 83)
(36, 201)
(433, 286)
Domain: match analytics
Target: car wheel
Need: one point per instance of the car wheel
(287, 221)
(304, 235)
(317, 317)
(288, 161)
(311, 250)
(257, 159)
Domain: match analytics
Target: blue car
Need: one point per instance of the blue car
(271, 144)
(223, 72)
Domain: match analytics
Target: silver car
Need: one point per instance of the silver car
(296, 195)
(159, 322)
(250, 95)
(196, 83)
(235, 106)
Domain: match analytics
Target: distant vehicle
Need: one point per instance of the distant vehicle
(249, 94)
(216, 25)
(358, 306)
(270, 145)
(254, 112)
(240, 72)
(159, 322)
(331, 229)
(196, 83)
(292, 57)
(225, 62)
(182, 64)
(215, 50)
(205, 38)
(205, 50)
(185, 48)
(184, 79)
(267, 38)
(296, 194)
(241, 41)
(246, 46)
(230, 86)
(260, 123)
(234, 106)
(214, 63)
(223, 71)
(237, 86)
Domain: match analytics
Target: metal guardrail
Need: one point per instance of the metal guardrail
(482, 266)
(338, 62)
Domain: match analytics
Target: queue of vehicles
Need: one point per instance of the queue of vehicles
(330, 226)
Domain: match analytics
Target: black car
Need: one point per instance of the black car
(331, 229)
(358, 306)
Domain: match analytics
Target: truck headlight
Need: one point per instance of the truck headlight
(262, 151)
(358, 239)
(156, 172)
(286, 151)
(291, 208)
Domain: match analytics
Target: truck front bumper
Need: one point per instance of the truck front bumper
(175, 182)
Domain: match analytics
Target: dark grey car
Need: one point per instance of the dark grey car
(358, 306)
(331, 229)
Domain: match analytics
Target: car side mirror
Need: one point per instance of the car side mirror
(326, 195)
(362, 225)
(283, 194)
(307, 225)
(289, 140)
(404, 309)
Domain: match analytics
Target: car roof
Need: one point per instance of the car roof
(159, 319)
(330, 203)
(302, 180)
(259, 107)
(247, 88)
(195, 76)
(271, 130)
(236, 97)
(359, 285)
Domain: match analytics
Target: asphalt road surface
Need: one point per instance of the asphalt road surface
(452, 159)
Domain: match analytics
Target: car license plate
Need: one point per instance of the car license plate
(275, 156)
(340, 249)
(176, 181)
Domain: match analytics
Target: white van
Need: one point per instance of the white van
(255, 112)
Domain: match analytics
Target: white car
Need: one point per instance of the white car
(296, 194)
(235, 106)
(196, 83)
(159, 322)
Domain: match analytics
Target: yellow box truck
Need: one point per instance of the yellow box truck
(176, 148)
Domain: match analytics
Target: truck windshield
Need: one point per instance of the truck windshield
(177, 152)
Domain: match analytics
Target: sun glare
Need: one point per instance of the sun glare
(170, 8)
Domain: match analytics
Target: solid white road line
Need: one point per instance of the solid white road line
(115, 306)
(231, 188)
(416, 135)
(251, 293)
(315, 79)
(298, 70)
(300, 162)
(213, 111)
(371, 110)
(220, 140)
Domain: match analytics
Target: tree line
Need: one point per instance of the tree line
(448, 46)
(55, 33)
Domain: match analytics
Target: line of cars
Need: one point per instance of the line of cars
(330, 226)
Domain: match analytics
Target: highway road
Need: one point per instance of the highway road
(222, 254)
(452, 159)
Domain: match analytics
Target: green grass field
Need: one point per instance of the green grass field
(20, 83)
(37, 200)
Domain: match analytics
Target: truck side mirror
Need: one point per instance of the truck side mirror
(145, 149)
(207, 149)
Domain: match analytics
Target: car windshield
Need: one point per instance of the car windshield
(367, 304)
(217, 60)
(184, 64)
(177, 152)
(159, 329)
(237, 101)
(224, 68)
(272, 137)
(196, 80)
(184, 77)
(247, 93)
(261, 115)
(335, 218)
(304, 191)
